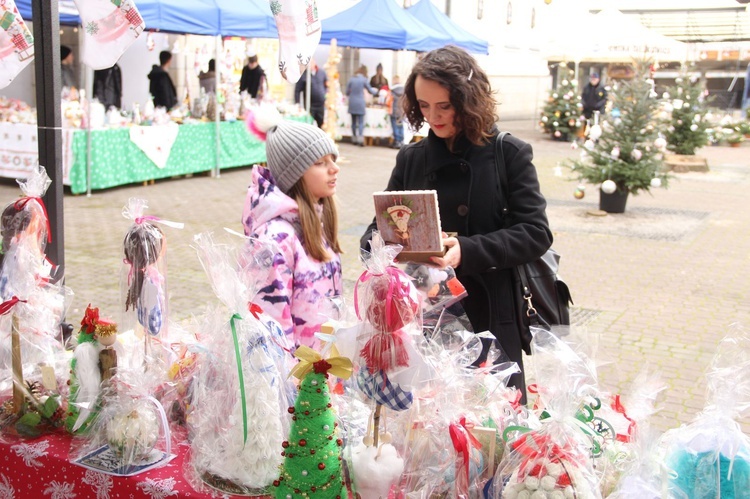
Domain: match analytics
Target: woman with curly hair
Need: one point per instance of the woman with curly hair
(450, 92)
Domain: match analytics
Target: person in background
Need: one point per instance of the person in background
(253, 77)
(593, 97)
(207, 79)
(161, 87)
(67, 71)
(290, 204)
(449, 91)
(108, 86)
(318, 87)
(378, 81)
(355, 90)
(396, 111)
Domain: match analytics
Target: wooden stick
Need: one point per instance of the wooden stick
(15, 340)
(376, 425)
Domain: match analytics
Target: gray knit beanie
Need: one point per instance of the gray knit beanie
(292, 148)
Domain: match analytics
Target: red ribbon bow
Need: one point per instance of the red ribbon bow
(463, 440)
(21, 203)
(6, 306)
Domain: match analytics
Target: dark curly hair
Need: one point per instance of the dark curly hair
(471, 94)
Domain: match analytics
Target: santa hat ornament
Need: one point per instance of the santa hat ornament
(110, 29)
(299, 34)
(16, 43)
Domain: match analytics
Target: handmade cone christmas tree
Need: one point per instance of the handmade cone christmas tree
(312, 455)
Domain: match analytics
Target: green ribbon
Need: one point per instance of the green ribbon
(234, 318)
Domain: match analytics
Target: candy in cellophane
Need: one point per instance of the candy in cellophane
(710, 457)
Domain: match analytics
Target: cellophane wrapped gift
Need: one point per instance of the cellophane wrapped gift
(33, 302)
(143, 282)
(130, 434)
(388, 363)
(240, 394)
(449, 449)
(553, 461)
(710, 457)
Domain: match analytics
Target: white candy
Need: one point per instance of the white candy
(539, 494)
(569, 493)
(531, 482)
(524, 494)
(554, 470)
(548, 482)
(556, 494)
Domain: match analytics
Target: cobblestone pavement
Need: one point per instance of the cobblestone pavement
(658, 286)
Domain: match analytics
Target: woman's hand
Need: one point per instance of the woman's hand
(452, 257)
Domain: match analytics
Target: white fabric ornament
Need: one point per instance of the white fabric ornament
(110, 28)
(299, 34)
(608, 187)
(16, 43)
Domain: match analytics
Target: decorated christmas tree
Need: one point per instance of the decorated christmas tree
(561, 116)
(312, 455)
(627, 157)
(687, 126)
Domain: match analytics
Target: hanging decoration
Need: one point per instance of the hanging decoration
(110, 28)
(16, 43)
(299, 29)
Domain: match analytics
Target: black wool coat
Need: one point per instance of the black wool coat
(470, 202)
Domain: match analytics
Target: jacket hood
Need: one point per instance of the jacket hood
(398, 89)
(155, 69)
(265, 202)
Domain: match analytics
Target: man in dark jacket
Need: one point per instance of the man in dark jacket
(318, 86)
(594, 96)
(108, 86)
(253, 77)
(161, 87)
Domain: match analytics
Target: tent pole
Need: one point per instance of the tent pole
(308, 84)
(217, 118)
(46, 19)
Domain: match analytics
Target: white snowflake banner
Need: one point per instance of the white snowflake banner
(110, 28)
(299, 34)
(16, 43)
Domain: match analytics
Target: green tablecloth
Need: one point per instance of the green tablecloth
(115, 160)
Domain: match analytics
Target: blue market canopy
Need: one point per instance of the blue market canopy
(381, 24)
(427, 12)
(248, 18)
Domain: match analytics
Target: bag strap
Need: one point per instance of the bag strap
(502, 177)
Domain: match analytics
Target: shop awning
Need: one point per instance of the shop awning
(248, 18)
(426, 12)
(381, 24)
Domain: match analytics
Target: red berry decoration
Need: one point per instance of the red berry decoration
(285, 444)
(321, 466)
(290, 410)
(302, 442)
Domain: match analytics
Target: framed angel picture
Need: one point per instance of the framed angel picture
(410, 219)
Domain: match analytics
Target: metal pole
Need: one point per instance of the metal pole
(217, 118)
(308, 84)
(45, 16)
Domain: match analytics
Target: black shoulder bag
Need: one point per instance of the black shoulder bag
(541, 298)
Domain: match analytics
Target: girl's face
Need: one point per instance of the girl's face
(320, 178)
(435, 105)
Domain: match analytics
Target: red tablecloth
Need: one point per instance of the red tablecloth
(40, 468)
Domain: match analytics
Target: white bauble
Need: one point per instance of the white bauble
(595, 132)
(665, 95)
(615, 153)
(660, 143)
(656, 182)
(555, 96)
(545, 119)
(608, 187)
(678, 103)
(589, 144)
(637, 154)
(133, 434)
(565, 82)
(693, 127)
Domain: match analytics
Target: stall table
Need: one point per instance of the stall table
(40, 468)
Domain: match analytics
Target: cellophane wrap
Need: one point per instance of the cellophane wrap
(130, 432)
(710, 457)
(32, 295)
(143, 282)
(449, 441)
(554, 460)
(240, 393)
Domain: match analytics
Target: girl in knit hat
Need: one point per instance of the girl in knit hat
(291, 203)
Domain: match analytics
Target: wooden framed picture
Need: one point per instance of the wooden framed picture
(412, 220)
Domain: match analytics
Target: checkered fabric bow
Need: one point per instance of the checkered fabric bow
(382, 391)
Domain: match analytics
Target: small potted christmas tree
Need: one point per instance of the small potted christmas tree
(561, 117)
(686, 125)
(627, 157)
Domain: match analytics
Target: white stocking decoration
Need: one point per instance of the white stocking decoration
(110, 28)
(299, 34)
(16, 43)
